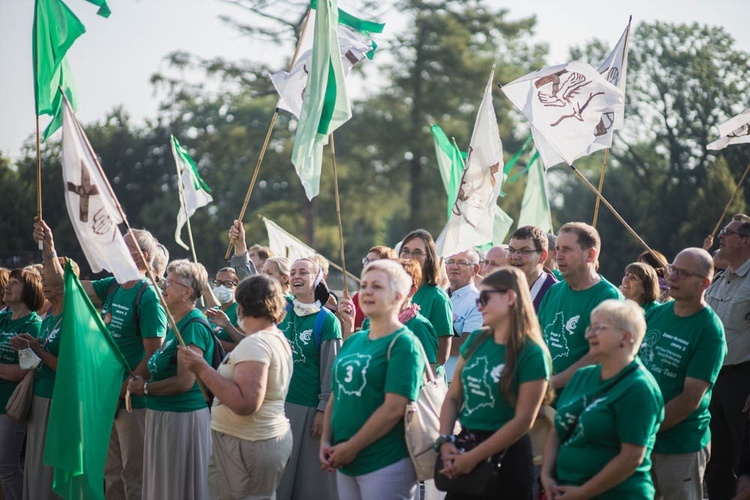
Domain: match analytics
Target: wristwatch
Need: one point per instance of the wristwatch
(145, 388)
(442, 439)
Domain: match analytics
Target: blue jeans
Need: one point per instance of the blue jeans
(12, 435)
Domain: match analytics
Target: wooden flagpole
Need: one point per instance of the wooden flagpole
(39, 175)
(731, 199)
(338, 214)
(601, 186)
(617, 215)
(267, 140)
(149, 272)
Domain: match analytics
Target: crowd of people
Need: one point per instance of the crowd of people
(645, 384)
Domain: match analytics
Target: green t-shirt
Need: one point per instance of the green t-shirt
(425, 332)
(163, 364)
(304, 388)
(9, 328)
(222, 334)
(485, 407)
(49, 339)
(117, 314)
(564, 315)
(629, 412)
(362, 375)
(675, 348)
(649, 305)
(435, 305)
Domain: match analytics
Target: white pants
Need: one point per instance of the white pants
(397, 481)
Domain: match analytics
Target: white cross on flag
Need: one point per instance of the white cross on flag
(92, 206)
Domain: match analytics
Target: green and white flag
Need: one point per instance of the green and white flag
(535, 209)
(90, 371)
(355, 45)
(450, 163)
(194, 192)
(285, 244)
(56, 27)
(325, 106)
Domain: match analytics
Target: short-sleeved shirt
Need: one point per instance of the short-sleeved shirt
(466, 315)
(435, 305)
(270, 348)
(675, 348)
(9, 328)
(485, 407)
(729, 297)
(564, 316)
(424, 331)
(49, 340)
(118, 315)
(630, 412)
(221, 333)
(304, 388)
(163, 364)
(647, 306)
(362, 375)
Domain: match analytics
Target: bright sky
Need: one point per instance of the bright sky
(113, 61)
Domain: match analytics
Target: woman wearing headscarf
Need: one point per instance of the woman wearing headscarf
(177, 435)
(23, 295)
(314, 334)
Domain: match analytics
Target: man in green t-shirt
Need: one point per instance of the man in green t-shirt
(137, 342)
(565, 310)
(684, 349)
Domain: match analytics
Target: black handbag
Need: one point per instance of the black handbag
(480, 479)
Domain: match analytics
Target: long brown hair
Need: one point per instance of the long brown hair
(524, 327)
(431, 267)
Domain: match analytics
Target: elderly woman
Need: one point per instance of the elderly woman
(378, 371)
(608, 415)
(23, 296)
(251, 437)
(641, 285)
(501, 380)
(177, 439)
(314, 334)
(279, 268)
(433, 301)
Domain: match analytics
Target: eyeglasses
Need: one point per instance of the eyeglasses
(725, 231)
(595, 329)
(451, 262)
(521, 251)
(405, 252)
(366, 260)
(682, 273)
(228, 284)
(167, 282)
(484, 296)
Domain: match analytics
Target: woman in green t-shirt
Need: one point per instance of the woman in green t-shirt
(23, 296)
(177, 437)
(222, 308)
(608, 415)
(378, 371)
(640, 283)
(504, 372)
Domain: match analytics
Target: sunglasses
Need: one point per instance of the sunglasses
(485, 295)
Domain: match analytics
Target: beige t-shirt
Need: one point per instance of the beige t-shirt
(270, 348)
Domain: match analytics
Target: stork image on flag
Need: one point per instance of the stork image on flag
(736, 130)
(473, 216)
(93, 209)
(565, 105)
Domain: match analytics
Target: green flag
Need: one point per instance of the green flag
(450, 162)
(103, 7)
(535, 209)
(55, 30)
(325, 106)
(90, 371)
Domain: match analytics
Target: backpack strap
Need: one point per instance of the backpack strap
(137, 303)
(320, 321)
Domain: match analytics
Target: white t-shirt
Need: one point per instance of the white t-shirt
(268, 347)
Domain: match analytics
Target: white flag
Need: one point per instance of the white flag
(565, 105)
(734, 131)
(291, 85)
(194, 191)
(284, 244)
(92, 207)
(473, 215)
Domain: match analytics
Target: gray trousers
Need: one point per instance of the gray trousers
(37, 480)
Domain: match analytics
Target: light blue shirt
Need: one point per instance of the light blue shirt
(466, 316)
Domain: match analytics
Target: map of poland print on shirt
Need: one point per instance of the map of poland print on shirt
(351, 373)
(555, 334)
(662, 353)
(478, 390)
